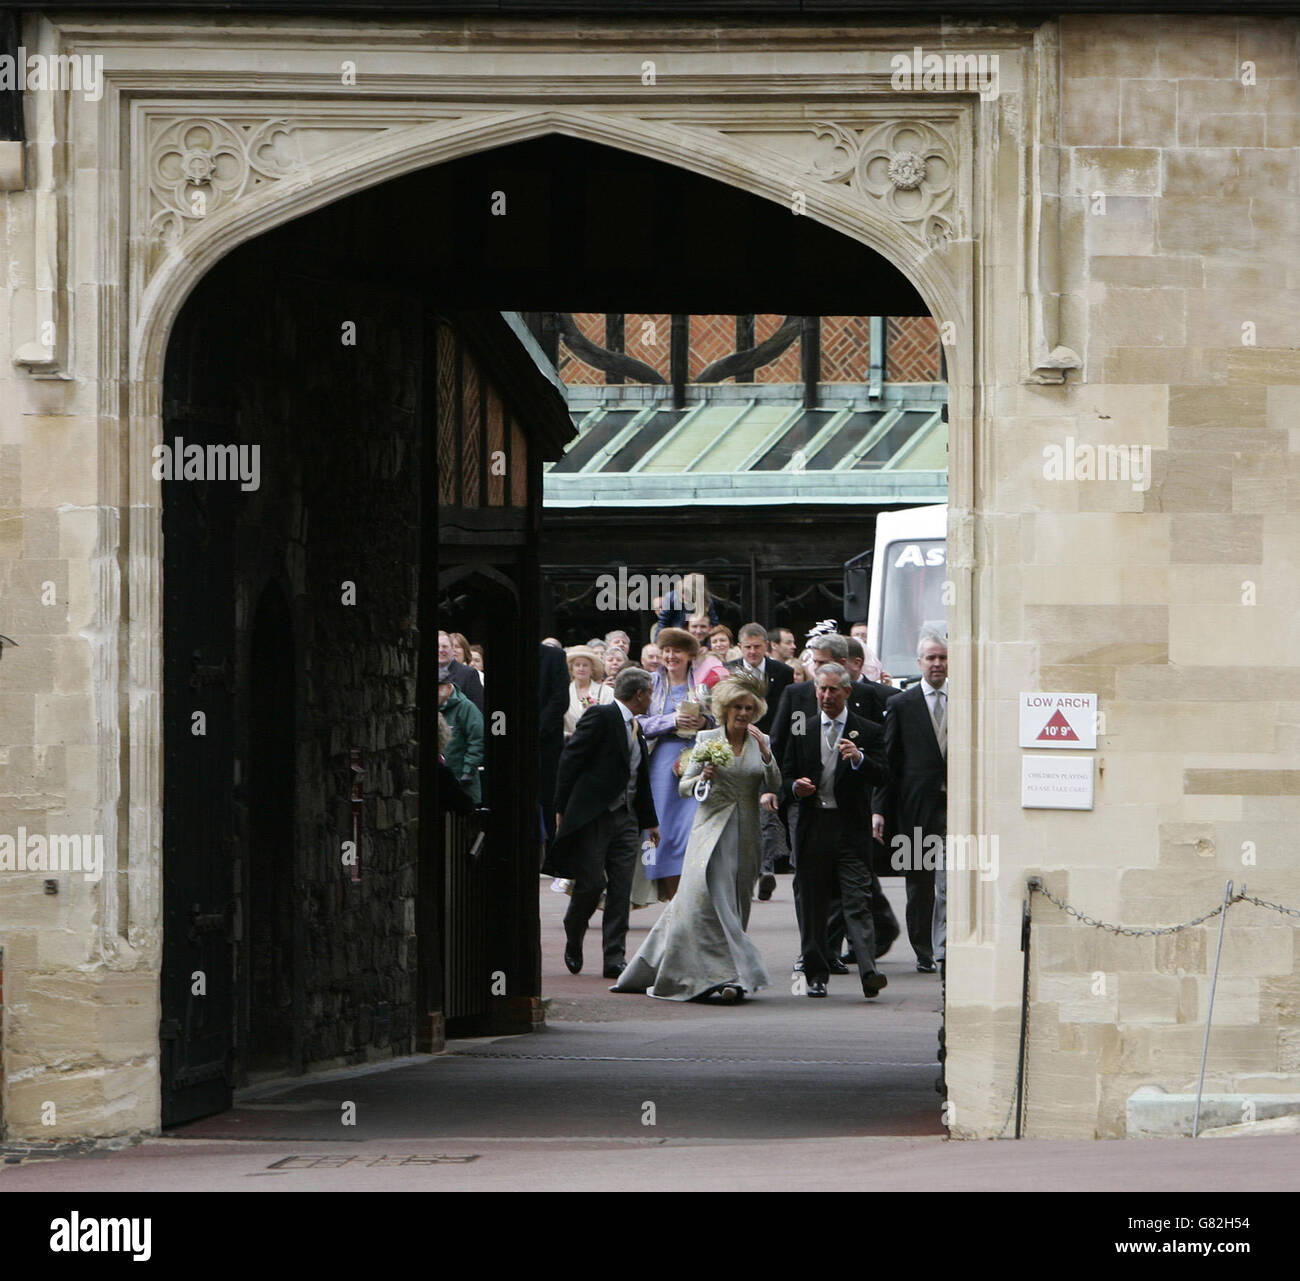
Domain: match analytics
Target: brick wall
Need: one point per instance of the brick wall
(913, 347)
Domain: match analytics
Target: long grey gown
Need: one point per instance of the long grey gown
(699, 944)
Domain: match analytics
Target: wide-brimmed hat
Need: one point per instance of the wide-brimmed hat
(584, 651)
(678, 638)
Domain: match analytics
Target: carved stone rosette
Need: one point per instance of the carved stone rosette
(198, 165)
(907, 168)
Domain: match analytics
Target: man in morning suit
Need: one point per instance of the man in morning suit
(916, 752)
(771, 676)
(602, 802)
(829, 774)
(872, 706)
(801, 698)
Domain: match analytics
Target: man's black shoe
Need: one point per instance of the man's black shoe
(573, 957)
(816, 989)
(766, 884)
(872, 984)
(613, 971)
(926, 967)
(848, 959)
(836, 966)
(797, 967)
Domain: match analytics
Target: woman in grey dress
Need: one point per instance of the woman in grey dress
(698, 947)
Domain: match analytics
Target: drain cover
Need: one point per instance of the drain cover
(332, 1162)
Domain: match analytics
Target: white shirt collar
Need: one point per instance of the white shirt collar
(839, 720)
(623, 707)
(928, 689)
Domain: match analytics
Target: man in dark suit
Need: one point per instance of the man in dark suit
(878, 692)
(464, 677)
(801, 696)
(602, 802)
(800, 699)
(873, 697)
(828, 773)
(771, 676)
(916, 795)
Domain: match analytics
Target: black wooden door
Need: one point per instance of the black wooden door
(197, 1030)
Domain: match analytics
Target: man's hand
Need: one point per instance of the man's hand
(849, 751)
(878, 826)
(768, 802)
(804, 787)
(653, 834)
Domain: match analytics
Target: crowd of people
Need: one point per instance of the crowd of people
(693, 772)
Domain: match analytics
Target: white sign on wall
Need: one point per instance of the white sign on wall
(1058, 720)
(1056, 782)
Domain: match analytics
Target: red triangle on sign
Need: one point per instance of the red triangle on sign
(1058, 730)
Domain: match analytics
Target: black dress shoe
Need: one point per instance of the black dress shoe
(613, 971)
(815, 988)
(797, 967)
(926, 967)
(847, 958)
(573, 957)
(836, 966)
(872, 984)
(766, 884)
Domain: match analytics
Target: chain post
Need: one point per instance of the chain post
(1209, 1013)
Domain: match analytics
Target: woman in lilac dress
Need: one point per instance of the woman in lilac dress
(669, 732)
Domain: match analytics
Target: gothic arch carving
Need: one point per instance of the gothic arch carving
(211, 180)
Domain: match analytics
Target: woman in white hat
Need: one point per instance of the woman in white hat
(586, 671)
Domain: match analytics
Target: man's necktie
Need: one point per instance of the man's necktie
(832, 734)
(941, 722)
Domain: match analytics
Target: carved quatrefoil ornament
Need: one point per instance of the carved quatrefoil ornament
(907, 167)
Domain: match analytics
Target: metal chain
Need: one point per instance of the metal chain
(1277, 907)
(1239, 897)
(1137, 933)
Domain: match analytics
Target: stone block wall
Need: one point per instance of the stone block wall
(1174, 599)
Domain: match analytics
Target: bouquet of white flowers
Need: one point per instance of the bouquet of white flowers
(716, 753)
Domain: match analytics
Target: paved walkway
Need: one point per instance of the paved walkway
(624, 1092)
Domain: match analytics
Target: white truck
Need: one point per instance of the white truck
(908, 572)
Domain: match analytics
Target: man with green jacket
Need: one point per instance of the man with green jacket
(464, 751)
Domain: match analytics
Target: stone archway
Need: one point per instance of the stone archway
(824, 132)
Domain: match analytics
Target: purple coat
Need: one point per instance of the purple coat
(657, 725)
